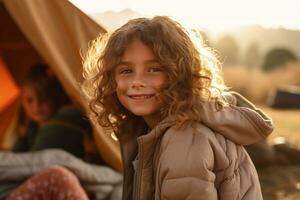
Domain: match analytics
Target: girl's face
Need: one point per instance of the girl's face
(37, 110)
(140, 78)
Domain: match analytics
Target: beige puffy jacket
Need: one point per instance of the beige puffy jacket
(205, 160)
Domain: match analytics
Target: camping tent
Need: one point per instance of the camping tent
(54, 31)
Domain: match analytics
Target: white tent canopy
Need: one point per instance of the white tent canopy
(59, 32)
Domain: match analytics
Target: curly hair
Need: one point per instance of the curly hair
(46, 85)
(194, 72)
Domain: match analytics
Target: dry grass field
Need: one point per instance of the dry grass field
(257, 85)
(287, 123)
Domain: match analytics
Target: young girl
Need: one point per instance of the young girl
(180, 132)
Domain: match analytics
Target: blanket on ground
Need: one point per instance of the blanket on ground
(102, 181)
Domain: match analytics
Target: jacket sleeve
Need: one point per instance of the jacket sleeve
(240, 180)
(186, 168)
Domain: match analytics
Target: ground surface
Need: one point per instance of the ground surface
(282, 182)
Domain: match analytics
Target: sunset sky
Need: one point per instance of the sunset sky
(212, 14)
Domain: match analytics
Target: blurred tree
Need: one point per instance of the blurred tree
(277, 57)
(252, 55)
(228, 49)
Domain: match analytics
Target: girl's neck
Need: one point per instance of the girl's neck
(152, 120)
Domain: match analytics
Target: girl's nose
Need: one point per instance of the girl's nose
(138, 81)
(36, 105)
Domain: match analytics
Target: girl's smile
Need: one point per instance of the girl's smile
(140, 79)
(141, 97)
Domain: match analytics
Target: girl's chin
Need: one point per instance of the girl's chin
(41, 121)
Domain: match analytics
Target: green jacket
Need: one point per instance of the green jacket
(65, 130)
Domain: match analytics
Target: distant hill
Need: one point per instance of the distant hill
(113, 19)
(265, 38)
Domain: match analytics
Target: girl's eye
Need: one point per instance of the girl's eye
(155, 69)
(125, 71)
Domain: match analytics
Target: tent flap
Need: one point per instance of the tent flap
(59, 31)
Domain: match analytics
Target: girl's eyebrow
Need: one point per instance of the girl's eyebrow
(152, 61)
(125, 63)
(130, 63)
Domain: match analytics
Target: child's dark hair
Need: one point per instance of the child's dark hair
(46, 85)
(193, 71)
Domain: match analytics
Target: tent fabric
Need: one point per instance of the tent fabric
(10, 88)
(8, 119)
(60, 32)
(9, 94)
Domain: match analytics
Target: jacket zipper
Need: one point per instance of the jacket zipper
(125, 188)
(139, 171)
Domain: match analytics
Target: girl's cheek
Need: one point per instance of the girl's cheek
(122, 83)
(160, 80)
